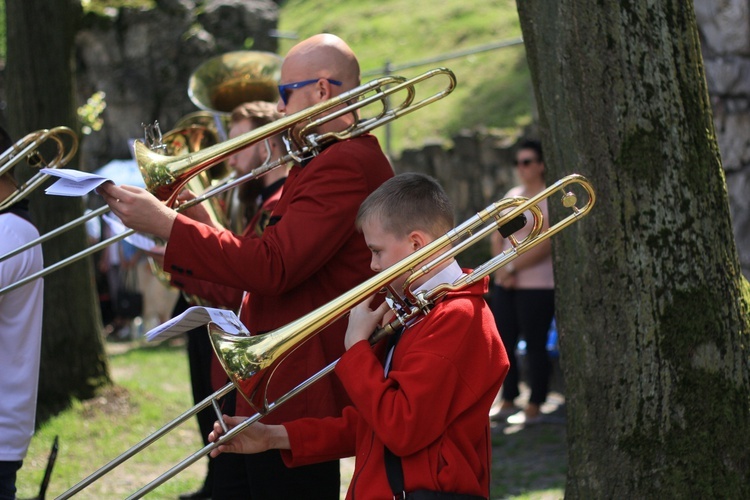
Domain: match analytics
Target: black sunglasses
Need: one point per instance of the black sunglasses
(526, 162)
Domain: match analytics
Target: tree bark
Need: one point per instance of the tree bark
(653, 312)
(40, 82)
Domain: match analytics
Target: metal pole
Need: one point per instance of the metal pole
(446, 57)
(388, 147)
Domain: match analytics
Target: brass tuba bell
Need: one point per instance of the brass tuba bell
(224, 82)
(193, 133)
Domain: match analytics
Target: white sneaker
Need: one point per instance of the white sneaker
(520, 418)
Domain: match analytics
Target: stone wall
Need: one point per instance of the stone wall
(725, 42)
(143, 59)
(476, 171)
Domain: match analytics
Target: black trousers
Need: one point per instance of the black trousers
(200, 353)
(263, 476)
(8, 479)
(527, 314)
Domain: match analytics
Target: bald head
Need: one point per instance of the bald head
(322, 56)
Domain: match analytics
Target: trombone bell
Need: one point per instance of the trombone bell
(247, 360)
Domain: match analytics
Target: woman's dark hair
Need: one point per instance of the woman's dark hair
(534, 145)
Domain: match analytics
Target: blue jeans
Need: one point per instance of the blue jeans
(8, 479)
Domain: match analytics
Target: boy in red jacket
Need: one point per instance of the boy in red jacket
(427, 398)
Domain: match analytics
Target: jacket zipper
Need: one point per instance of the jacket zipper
(369, 452)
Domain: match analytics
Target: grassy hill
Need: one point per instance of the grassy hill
(493, 90)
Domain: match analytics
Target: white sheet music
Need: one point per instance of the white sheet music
(198, 316)
(72, 182)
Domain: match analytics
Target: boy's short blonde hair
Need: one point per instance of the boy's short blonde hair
(409, 202)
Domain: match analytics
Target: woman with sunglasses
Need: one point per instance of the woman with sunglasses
(523, 298)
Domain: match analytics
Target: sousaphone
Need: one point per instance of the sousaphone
(216, 87)
(219, 85)
(224, 82)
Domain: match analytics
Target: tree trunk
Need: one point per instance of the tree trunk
(40, 95)
(653, 312)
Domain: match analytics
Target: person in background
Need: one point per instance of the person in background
(20, 333)
(420, 400)
(108, 266)
(523, 298)
(158, 300)
(309, 253)
(116, 262)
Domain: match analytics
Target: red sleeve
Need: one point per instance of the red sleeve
(315, 440)
(317, 218)
(217, 295)
(436, 375)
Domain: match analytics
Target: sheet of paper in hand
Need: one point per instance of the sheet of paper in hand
(197, 316)
(72, 182)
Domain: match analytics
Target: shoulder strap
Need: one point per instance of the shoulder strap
(395, 473)
(393, 468)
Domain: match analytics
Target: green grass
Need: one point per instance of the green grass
(152, 388)
(493, 90)
(100, 6)
(529, 463)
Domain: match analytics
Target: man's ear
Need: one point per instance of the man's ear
(323, 88)
(418, 240)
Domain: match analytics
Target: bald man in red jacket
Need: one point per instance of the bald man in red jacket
(309, 254)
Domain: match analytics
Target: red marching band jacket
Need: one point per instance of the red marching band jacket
(225, 296)
(218, 294)
(431, 409)
(309, 254)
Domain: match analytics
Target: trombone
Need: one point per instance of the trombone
(27, 148)
(165, 176)
(250, 361)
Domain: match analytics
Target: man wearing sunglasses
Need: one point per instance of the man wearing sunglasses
(309, 254)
